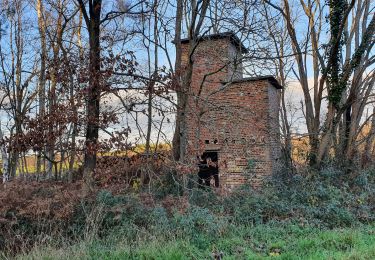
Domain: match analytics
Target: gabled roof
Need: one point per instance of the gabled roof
(231, 35)
(270, 78)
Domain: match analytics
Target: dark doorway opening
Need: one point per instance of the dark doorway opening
(208, 169)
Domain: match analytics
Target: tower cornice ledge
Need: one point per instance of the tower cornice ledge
(270, 78)
(231, 35)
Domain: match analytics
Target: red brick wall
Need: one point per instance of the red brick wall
(241, 116)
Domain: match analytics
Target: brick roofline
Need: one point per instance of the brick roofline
(270, 78)
(231, 35)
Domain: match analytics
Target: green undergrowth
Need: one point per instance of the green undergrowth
(266, 241)
(321, 215)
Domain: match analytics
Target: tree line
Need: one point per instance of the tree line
(80, 78)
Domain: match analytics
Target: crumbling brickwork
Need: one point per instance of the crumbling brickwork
(235, 116)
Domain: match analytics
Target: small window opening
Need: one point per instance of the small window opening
(206, 141)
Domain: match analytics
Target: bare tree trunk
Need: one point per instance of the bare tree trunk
(19, 92)
(74, 131)
(149, 118)
(152, 82)
(367, 154)
(52, 92)
(72, 153)
(177, 77)
(311, 115)
(24, 157)
(198, 15)
(93, 91)
(4, 157)
(42, 74)
(279, 38)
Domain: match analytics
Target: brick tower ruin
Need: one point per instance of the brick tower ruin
(234, 118)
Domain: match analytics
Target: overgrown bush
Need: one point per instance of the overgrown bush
(200, 226)
(168, 184)
(312, 199)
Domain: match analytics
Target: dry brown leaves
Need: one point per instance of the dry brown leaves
(37, 200)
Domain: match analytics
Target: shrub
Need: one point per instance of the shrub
(205, 198)
(168, 184)
(200, 226)
(161, 223)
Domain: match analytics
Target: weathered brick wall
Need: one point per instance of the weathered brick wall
(238, 119)
(274, 127)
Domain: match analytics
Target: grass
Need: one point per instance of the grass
(267, 241)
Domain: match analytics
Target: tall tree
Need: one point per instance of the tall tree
(42, 73)
(92, 20)
(195, 20)
(92, 16)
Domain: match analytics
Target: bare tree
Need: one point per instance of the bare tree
(183, 78)
(17, 76)
(42, 73)
(326, 67)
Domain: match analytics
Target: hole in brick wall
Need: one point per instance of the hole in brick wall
(209, 169)
(233, 141)
(216, 141)
(206, 141)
